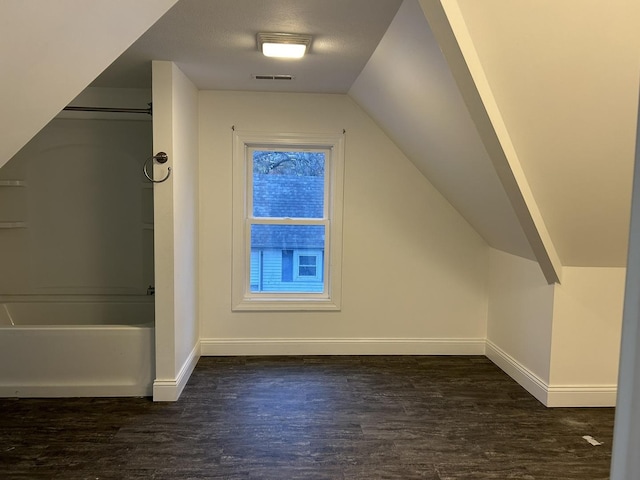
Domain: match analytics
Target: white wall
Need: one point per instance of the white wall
(413, 270)
(185, 199)
(587, 321)
(80, 220)
(175, 131)
(520, 321)
(561, 341)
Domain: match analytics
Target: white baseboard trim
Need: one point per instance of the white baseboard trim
(552, 395)
(531, 382)
(62, 391)
(582, 396)
(169, 390)
(341, 346)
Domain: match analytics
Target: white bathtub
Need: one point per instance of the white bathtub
(76, 349)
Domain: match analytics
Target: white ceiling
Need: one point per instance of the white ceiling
(214, 44)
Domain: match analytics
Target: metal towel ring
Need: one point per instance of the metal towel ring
(161, 158)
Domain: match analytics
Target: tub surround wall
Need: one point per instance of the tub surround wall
(76, 216)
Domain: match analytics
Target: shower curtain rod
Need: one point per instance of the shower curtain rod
(148, 111)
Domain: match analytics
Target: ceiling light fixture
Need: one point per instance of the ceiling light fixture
(283, 45)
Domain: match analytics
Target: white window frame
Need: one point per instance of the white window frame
(242, 297)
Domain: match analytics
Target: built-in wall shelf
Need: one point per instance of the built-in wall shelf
(13, 183)
(4, 225)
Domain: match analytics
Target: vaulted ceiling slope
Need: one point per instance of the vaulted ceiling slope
(50, 51)
(565, 77)
(407, 87)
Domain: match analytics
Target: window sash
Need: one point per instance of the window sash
(326, 277)
(328, 166)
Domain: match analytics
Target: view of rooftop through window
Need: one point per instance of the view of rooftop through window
(285, 256)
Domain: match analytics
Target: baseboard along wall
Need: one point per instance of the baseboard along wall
(169, 390)
(342, 346)
(551, 395)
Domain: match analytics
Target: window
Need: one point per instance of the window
(308, 266)
(287, 221)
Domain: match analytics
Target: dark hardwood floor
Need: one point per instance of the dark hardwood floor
(289, 418)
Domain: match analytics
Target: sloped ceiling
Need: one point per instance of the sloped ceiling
(50, 51)
(565, 77)
(408, 89)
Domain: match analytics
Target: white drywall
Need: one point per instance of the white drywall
(50, 51)
(520, 320)
(587, 320)
(185, 201)
(175, 132)
(413, 268)
(560, 342)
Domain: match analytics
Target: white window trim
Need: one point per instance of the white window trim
(242, 297)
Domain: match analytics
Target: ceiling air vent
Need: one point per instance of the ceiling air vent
(273, 77)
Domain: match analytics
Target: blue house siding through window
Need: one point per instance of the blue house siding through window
(287, 258)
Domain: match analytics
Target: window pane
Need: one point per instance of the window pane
(272, 247)
(288, 184)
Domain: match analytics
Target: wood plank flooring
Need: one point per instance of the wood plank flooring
(290, 418)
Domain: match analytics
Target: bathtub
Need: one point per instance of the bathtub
(76, 348)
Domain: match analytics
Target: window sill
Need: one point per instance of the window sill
(284, 304)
